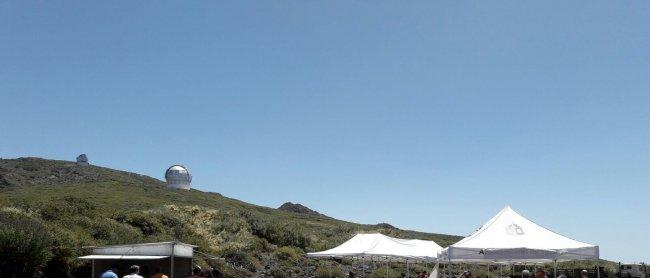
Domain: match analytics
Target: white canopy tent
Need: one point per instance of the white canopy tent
(511, 238)
(379, 245)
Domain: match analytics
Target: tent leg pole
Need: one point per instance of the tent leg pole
(555, 268)
(93, 268)
(407, 268)
(598, 268)
(488, 270)
(444, 270)
(386, 269)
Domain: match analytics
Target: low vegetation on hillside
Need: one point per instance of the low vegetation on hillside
(50, 209)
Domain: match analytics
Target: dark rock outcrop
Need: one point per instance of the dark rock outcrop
(297, 208)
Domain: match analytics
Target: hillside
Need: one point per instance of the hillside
(74, 206)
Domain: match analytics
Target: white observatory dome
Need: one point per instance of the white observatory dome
(178, 177)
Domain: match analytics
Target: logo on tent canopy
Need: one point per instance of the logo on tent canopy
(514, 230)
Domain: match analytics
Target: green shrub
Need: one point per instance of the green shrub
(280, 272)
(289, 253)
(148, 224)
(328, 271)
(66, 207)
(281, 234)
(289, 234)
(60, 264)
(241, 259)
(108, 231)
(24, 245)
(27, 166)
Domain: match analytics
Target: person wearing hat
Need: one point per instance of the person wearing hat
(525, 273)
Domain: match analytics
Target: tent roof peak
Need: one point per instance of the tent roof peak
(509, 235)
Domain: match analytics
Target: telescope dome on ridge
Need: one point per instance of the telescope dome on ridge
(178, 177)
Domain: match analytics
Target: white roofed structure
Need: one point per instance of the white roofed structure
(379, 245)
(511, 238)
(174, 258)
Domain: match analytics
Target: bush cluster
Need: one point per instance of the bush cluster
(241, 259)
(25, 245)
(279, 233)
(66, 207)
(289, 253)
(148, 224)
(328, 271)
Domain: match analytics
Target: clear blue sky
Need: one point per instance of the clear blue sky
(428, 115)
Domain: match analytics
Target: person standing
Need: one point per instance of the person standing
(110, 273)
(134, 272)
(584, 273)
